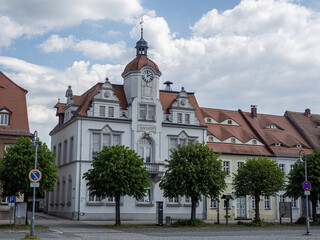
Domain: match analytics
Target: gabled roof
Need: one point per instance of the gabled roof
(287, 134)
(223, 132)
(13, 98)
(308, 125)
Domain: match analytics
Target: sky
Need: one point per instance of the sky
(231, 53)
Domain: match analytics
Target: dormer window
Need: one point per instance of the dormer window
(299, 146)
(254, 142)
(210, 139)
(272, 126)
(233, 140)
(4, 117)
(209, 120)
(230, 122)
(278, 144)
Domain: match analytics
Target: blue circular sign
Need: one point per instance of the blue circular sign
(306, 185)
(35, 175)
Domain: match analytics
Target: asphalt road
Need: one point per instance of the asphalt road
(66, 229)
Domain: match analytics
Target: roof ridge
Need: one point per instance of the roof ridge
(26, 91)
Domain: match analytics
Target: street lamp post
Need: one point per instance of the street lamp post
(34, 143)
(306, 179)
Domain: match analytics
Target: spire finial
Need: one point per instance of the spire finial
(141, 23)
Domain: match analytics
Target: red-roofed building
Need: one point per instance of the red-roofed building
(136, 114)
(13, 119)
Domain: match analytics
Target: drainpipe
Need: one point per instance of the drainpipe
(79, 192)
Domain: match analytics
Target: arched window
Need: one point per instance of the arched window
(145, 149)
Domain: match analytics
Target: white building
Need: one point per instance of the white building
(136, 114)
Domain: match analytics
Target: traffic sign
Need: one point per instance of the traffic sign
(12, 199)
(34, 184)
(35, 175)
(306, 185)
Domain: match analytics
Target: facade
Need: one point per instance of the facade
(13, 122)
(136, 114)
(239, 135)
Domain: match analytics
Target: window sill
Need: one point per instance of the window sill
(268, 209)
(57, 204)
(141, 204)
(187, 205)
(112, 204)
(147, 120)
(174, 204)
(95, 204)
(62, 204)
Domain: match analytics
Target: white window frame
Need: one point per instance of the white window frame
(214, 203)
(71, 148)
(187, 118)
(147, 112)
(239, 164)
(110, 111)
(227, 167)
(267, 203)
(233, 140)
(179, 117)
(282, 167)
(94, 198)
(146, 150)
(282, 198)
(225, 204)
(102, 111)
(4, 200)
(147, 198)
(294, 203)
(4, 117)
(174, 200)
(113, 135)
(187, 200)
(229, 121)
(210, 139)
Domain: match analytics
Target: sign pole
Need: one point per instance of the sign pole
(34, 189)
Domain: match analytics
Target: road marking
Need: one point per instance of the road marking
(57, 231)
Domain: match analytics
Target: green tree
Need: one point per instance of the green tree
(117, 171)
(192, 171)
(258, 177)
(296, 177)
(18, 161)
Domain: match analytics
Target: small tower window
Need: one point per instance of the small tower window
(230, 122)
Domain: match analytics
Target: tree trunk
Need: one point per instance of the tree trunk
(193, 207)
(25, 199)
(314, 211)
(118, 222)
(257, 216)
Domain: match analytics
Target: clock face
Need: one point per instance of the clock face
(147, 76)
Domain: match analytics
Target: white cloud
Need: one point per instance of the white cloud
(89, 48)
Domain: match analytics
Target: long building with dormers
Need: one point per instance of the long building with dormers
(136, 114)
(152, 121)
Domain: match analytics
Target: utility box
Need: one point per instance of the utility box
(20, 213)
(159, 213)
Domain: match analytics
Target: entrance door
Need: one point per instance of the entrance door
(241, 207)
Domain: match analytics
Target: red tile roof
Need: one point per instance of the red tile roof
(13, 98)
(308, 124)
(140, 62)
(287, 134)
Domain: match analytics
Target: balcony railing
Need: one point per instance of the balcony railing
(155, 168)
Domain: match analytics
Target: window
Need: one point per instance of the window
(272, 126)
(6, 147)
(102, 111)
(174, 142)
(179, 117)
(294, 203)
(54, 150)
(71, 149)
(209, 120)
(65, 150)
(282, 198)
(187, 118)
(239, 164)
(4, 200)
(94, 198)
(63, 196)
(69, 193)
(211, 139)
(214, 203)
(267, 203)
(110, 111)
(147, 112)
(174, 200)
(230, 122)
(58, 193)
(99, 140)
(111, 199)
(4, 117)
(226, 167)
(253, 202)
(278, 144)
(299, 146)
(283, 167)
(291, 166)
(145, 149)
(187, 199)
(233, 140)
(147, 198)
(59, 154)
(254, 142)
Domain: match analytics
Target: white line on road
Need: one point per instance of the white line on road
(55, 230)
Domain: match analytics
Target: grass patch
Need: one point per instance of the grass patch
(257, 224)
(191, 223)
(28, 236)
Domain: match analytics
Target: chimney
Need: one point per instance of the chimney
(254, 111)
(307, 112)
(168, 87)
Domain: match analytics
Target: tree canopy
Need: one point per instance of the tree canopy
(258, 177)
(19, 160)
(117, 171)
(296, 177)
(193, 171)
